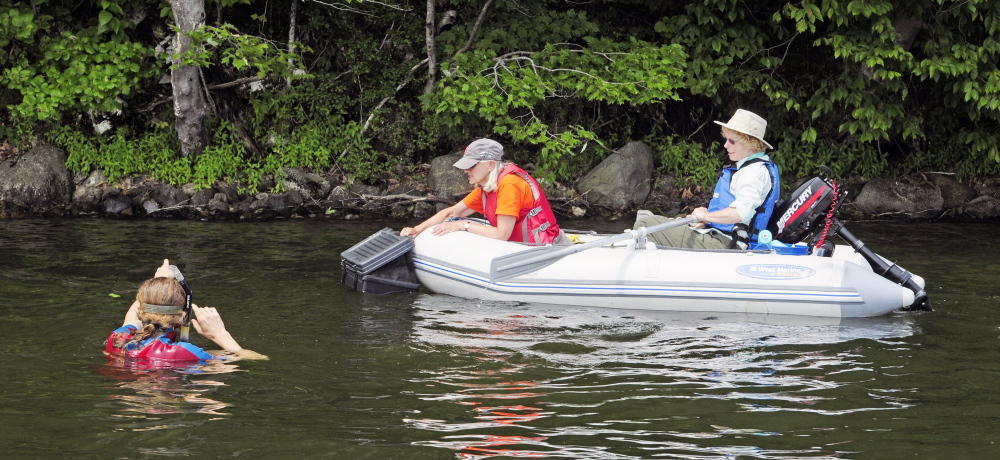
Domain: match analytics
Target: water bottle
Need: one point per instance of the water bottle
(765, 239)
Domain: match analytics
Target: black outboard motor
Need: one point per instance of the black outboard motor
(813, 205)
(804, 211)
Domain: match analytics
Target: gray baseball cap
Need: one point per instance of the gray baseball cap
(479, 150)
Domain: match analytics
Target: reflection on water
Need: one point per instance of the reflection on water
(537, 380)
(158, 399)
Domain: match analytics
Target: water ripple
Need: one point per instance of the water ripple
(535, 380)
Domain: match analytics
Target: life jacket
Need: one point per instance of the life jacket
(534, 225)
(154, 349)
(723, 197)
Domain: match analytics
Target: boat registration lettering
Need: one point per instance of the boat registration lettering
(775, 271)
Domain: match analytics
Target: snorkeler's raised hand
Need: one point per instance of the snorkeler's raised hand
(164, 270)
(208, 323)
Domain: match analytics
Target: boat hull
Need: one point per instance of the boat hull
(842, 286)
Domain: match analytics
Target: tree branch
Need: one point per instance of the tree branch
(472, 34)
(239, 82)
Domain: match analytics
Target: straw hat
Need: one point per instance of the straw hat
(749, 123)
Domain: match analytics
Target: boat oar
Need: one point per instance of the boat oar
(534, 259)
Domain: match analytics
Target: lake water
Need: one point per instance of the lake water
(425, 376)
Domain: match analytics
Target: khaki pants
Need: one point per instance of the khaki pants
(683, 236)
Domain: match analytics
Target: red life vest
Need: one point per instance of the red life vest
(156, 349)
(534, 225)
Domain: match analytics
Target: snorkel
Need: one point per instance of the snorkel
(186, 326)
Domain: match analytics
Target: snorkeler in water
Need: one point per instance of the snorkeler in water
(154, 330)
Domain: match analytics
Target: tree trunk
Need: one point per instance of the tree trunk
(429, 31)
(291, 36)
(189, 95)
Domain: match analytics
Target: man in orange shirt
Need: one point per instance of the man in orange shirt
(511, 200)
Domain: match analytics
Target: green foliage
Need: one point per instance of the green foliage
(521, 26)
(685, 160)
(320, 99)
(834, 77)
(835, 81)
(19, 22)
(797, 158)
(224, 45)
(72, 71)
(225, 158)
(154, 154)
(507, 91)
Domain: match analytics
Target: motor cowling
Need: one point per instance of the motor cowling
(803, 212)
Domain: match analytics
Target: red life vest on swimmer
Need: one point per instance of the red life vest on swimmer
(162, 348)
(534, 225)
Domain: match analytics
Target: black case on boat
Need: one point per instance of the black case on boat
(380, 264)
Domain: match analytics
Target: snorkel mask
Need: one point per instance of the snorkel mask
(185, 333)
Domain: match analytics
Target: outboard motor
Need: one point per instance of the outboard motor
(804, 211)
(813, 205)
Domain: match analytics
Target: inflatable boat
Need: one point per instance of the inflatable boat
(784, 276)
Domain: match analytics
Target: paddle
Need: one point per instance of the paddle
(519, 263)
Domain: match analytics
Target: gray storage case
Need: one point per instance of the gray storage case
(380, 264)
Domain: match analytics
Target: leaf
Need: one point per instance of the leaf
(103, 18)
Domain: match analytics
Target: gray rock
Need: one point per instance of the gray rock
(423, 209)
(232, 195)
(447, 181)
(621, 180)
(890, 196)
(293, 199)
(953, 192)
(243, 207)
(259, 202)
(202, 197)
(37, 182)
(364, 189)
(221, 197)
(338, 194)
(88, 193)
(150, 206)
(167, 195)
(310, 185)
(219, 204)
(984, 207)
(115, 203)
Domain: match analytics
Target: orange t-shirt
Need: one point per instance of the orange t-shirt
(513, 195)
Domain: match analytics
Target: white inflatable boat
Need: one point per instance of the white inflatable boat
(627, 271)
(620, 276)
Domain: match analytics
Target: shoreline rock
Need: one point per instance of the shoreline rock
(38, 184)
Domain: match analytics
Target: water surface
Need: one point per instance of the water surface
(429, 376)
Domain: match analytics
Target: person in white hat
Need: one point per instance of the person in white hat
(744, 196)
(512, 201)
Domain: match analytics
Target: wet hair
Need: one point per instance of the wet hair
(755, 144)
(491, 179)
(155, 291)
